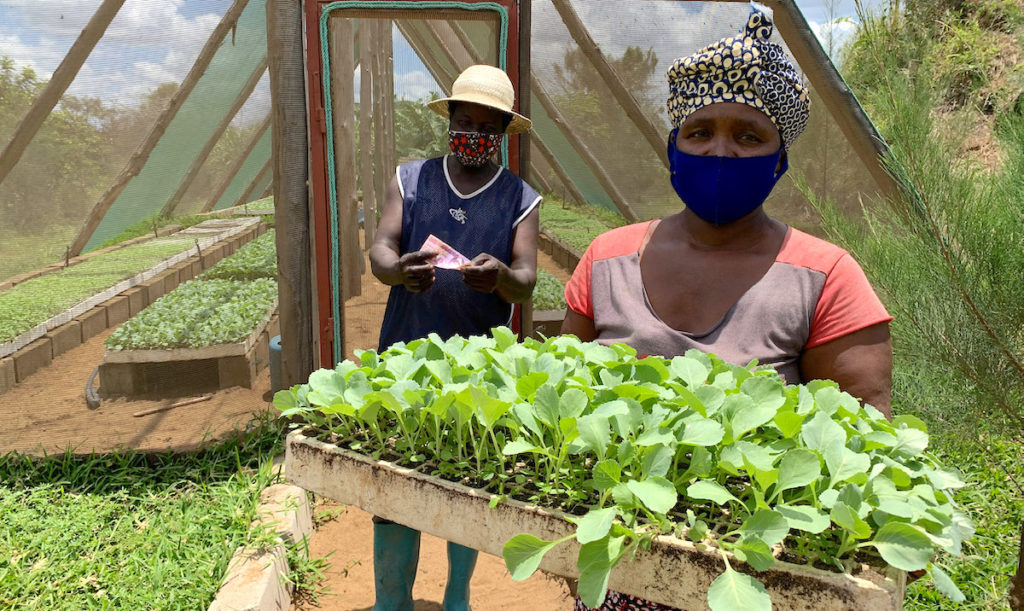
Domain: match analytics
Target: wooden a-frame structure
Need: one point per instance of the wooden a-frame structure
(444, 49)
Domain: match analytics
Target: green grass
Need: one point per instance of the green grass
(257, 259)
(129, 530)
(549, 293)
(996, 506)
(196, 314)
(34, 301)
(576, 225)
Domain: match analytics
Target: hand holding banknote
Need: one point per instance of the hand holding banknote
(483, 273)
(416, 270)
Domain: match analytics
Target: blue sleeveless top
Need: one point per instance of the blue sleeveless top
(483, 221)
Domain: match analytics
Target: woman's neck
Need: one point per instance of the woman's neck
(749, 233)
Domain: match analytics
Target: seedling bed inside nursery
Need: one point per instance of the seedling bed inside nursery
(673, 572)
(34, 307)
(213, 331)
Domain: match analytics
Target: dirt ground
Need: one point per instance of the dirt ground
(347, 541)
(47, 412)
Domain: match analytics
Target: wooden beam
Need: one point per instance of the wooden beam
(583, 151)
(291, 191)
(835, 93)
(523, 95)
(269, 190)
(348, 269)
(57, 85)
(387, 47)
(197, 163)
(249, 188)
(381, 177)
(563, 176)
(237, 164)
(440, 73)
(654, 136)
(139, 157)
(366, 112)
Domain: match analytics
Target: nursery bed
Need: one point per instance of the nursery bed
(221, 229)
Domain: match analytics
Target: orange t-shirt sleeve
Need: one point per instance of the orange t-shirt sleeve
(847, 304)
(577, 290)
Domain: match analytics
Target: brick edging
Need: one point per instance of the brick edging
(565, 256)
(255, 576)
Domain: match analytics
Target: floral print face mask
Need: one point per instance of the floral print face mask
(473, 149)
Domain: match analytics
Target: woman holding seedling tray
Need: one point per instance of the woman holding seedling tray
(722, 276)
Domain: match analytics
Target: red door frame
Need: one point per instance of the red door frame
(319, 192)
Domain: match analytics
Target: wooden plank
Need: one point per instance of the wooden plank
(341, 48)
(237, 164)
(583, 150)
(246, 195)
(211, 142)
(138, 159)
(387, 114)
(366, 112)
(383, 176)
(57, 85)
(654, 136)
(291, 190)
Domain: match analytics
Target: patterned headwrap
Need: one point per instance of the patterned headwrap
(746, 68)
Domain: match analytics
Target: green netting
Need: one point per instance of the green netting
(239, 54)
(253, 164)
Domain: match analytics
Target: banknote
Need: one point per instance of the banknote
(446, 257)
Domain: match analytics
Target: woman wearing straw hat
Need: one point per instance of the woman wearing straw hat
(490, 216)
(722, 276)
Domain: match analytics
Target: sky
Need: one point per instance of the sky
(152, 42)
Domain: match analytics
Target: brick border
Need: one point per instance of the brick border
(565, 256)
(255, 576)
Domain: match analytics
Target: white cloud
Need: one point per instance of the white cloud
(148, 43)
(833, 35)
(415, 85)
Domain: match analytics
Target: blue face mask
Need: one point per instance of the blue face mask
(721, 190)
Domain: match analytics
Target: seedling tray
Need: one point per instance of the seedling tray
(673, 572)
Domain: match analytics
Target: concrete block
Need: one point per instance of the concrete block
(261, 351)
(93, 322)
(197, 268)
(274, 326)
(118, 310)
(154, 288)
(284, 508)
(253, 582)
(170, 280)
(236, 370)
(136, 300)
(8, 377)
(185, 272)
(117, 379)
(65, 337)
(547, 323)
(32, 358)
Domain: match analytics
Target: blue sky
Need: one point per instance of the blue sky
(151, 42)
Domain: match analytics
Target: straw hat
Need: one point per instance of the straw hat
(487, 86)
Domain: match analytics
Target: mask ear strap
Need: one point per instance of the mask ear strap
(784, 158)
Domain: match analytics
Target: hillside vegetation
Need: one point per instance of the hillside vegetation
(942, 81)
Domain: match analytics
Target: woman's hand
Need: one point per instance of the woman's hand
(484, 273)
(416, 272)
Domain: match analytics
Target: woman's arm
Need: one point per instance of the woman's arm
(391, 268)
(861, 363)
(513, 283)
(578, 325)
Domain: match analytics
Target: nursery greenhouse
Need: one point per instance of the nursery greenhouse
(188, 196)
